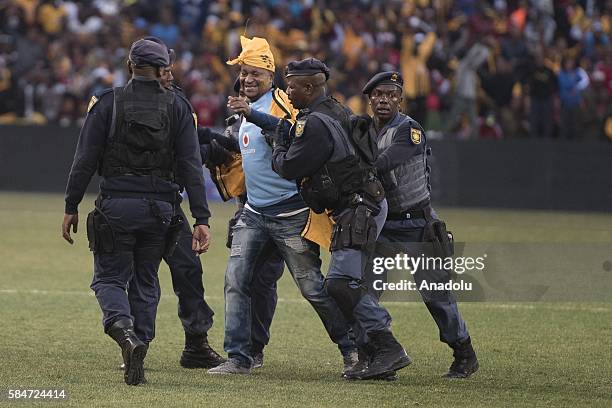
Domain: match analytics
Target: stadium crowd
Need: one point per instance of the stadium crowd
(472, 68)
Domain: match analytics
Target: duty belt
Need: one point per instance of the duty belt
(170, 197)
(418, 213)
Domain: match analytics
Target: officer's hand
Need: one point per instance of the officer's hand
(204, 135)
(281, 135)
(201, 239)
(70, 220)
(228, 143)
(218, 154)
(238, 105)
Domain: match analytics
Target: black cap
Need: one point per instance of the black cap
(306, 67)
(384, 78)
(171, 53)
(149, 52)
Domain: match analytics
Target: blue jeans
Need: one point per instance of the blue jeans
(139, 243)
(254, 236)
(269, 269)
(350, 264)
(441, 305)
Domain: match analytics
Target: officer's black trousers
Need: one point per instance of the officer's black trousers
(139, 241)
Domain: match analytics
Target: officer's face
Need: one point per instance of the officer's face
(385, 101)
(255, 81)
(166, 77)
(297, 91)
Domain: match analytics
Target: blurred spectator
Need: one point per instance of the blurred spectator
(572, 82)
(542, 86)
(466, 89)
(166, 29)
(499, 86)
(416, 49)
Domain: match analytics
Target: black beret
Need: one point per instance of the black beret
(384, 78)
(306, 67)
(148, 52)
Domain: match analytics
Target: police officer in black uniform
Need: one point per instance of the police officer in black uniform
(142, 139)
(333, 176)
(186, 271)
(402, 166)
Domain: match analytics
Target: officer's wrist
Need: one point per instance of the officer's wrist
(202, 221)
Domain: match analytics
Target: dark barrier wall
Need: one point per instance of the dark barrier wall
(541, 174)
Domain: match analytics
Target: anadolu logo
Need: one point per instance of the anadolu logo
(245, 140)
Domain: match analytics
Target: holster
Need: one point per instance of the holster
(99, 232)
(172, 234)
(442, 240)
(355, 228)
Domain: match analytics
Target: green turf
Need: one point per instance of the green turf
(531, 354)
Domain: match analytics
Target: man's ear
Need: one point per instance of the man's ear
(308, 88)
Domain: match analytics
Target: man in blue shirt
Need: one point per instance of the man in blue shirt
(274, 215)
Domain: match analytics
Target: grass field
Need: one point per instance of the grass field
(531, 354)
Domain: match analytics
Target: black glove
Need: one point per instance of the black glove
(204, 135)
(281, 135)
(226, 142)
(217, 154)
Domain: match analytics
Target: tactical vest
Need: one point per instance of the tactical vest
(344, 180)
(140, 142)
(407, 184)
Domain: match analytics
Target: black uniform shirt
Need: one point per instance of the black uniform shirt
(93, 139)
(312, 148)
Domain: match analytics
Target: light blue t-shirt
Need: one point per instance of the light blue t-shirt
(264, 186)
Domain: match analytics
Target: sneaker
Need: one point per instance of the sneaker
(465, 363)
(231, 366)
(198, 353)
(258, 360)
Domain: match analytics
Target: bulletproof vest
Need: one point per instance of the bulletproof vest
(140, 142)
(407, 184)
(334, 186)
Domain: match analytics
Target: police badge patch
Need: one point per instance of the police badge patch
(299, 127)
(92, 102)
(416, 136)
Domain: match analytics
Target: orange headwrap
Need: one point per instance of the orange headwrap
(255, 52)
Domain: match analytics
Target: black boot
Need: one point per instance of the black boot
(366, 353)
(465, 363)
(389, 356)
(198, 353)
(133, 351)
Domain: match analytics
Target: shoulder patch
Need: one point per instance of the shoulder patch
(97, 97)
(299, 127)
(94, 99)
(416, 136)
